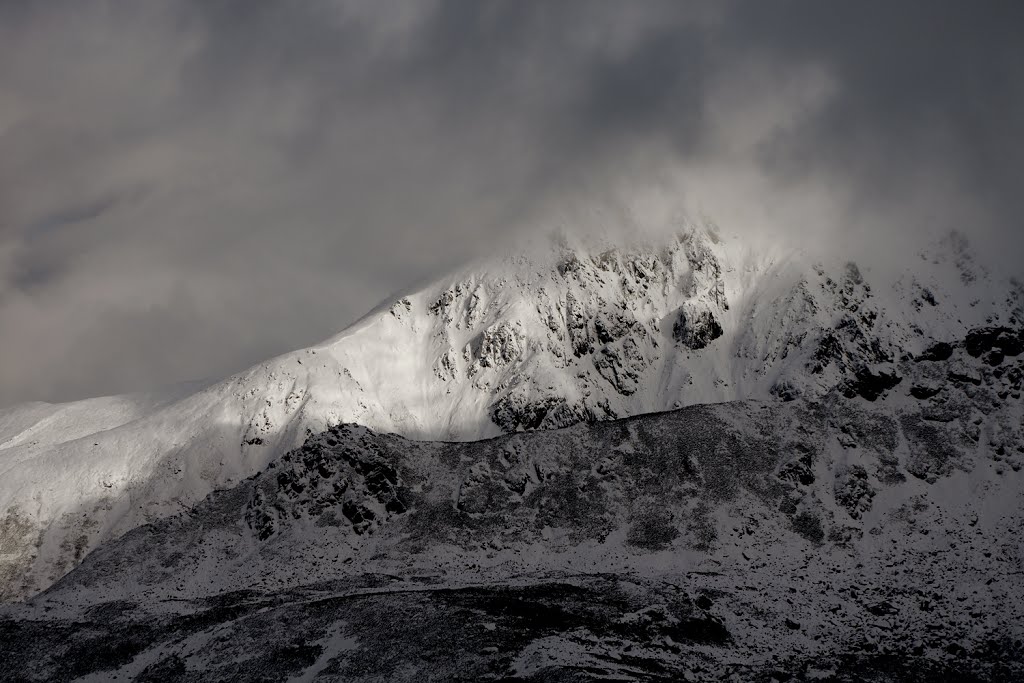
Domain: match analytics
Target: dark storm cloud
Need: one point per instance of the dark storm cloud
(186, 188)
(923, 87)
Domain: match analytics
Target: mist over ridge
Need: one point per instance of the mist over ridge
(247, 180)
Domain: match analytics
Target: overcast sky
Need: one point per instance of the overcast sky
(188, 188)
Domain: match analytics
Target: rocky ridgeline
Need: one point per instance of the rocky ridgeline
(953, 408)
(805, 539)
(597, 315)
(529, 343)
(589, 340)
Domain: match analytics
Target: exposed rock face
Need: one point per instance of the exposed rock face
(696, 330)
(515, 412)
(622, 365)
(500, 346)
(870, 383)
(996, 342)
(576, 326)
(936, 352)
(587, 335)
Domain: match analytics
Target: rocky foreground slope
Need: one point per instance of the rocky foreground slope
(870, 533)
(535, 341)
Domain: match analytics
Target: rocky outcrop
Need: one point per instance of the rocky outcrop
(515, 412)
(995, 343)
(354, 485)
(938, 351)
(696, 329)
(500, 345)
(870, 383)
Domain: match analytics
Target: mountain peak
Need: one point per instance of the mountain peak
(580, 329)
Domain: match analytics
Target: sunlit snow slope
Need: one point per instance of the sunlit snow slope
(538, 340)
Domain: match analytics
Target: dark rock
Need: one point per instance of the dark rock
(809, 526)
(610, 326)
(924, 392)
(784, 391)
(395, 506)
(882, 609)
(964, 376)
(869, 384)
(514, 412)
(1008, 341)
(697, 330)
(801, 470)
(938, 351)
(787, 506)
(381, 479)
(994, 357)
(933, 447)
(360, 516)
(652, 529)
(829, 349)
(853, 491)
(621, 364)
(576, 325)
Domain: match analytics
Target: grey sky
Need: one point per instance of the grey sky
(189, 187)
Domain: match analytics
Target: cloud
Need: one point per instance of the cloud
(186, 188)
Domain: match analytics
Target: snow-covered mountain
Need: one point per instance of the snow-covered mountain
(830, 538)
(547, 338)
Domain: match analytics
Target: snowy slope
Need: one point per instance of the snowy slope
(833, 538)
(542, 339)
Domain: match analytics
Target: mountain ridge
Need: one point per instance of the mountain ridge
(531, 341)
(817, 537)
